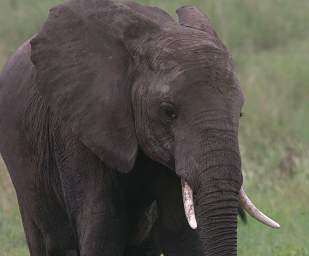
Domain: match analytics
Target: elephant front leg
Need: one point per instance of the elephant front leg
(102, 230)
(95, 203)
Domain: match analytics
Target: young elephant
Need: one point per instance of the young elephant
(110, 107)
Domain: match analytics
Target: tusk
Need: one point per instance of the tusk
(187, 196)
(251, 209)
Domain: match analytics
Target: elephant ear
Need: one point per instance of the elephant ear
(83, 72)
(192, 17)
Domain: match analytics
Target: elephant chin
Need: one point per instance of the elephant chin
(245, 203)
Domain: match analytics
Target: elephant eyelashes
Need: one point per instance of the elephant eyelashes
(168, 111)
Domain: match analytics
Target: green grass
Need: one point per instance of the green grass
(12, 241)
(290, 210)
(270, 43)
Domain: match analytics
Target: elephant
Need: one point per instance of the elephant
(119, 128)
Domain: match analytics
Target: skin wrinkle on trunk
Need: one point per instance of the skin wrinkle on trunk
(218, 236)
(216, 179)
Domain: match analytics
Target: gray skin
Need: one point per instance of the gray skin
(103, 112)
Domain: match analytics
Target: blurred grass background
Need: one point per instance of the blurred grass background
(270, 44)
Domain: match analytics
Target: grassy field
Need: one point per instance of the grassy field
(270, 44)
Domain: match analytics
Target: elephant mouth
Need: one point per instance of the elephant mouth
(245, 203)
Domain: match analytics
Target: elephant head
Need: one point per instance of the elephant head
(125, 76)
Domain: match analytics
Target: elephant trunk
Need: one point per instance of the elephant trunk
(213, 173)
(216, 213)
(212, 191)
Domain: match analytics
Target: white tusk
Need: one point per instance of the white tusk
(251, 209)
(187, 196)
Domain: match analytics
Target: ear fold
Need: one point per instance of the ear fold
(83, 72)
(192, 17)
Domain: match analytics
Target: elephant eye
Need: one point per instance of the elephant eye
(168, 111)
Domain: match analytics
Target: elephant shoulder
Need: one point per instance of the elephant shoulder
(18, 63)
(16, 79)
(16, 90)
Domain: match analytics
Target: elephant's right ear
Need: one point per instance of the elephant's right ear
(83, 73)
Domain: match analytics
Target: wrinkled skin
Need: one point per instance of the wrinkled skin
(103, 112)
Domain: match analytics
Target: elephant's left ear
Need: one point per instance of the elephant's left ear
(192, 17)
(83, 73)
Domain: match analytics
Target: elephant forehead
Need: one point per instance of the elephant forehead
(211, 67)
(202, 91)
(220, 78)
(183, 48)
(183, 66)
